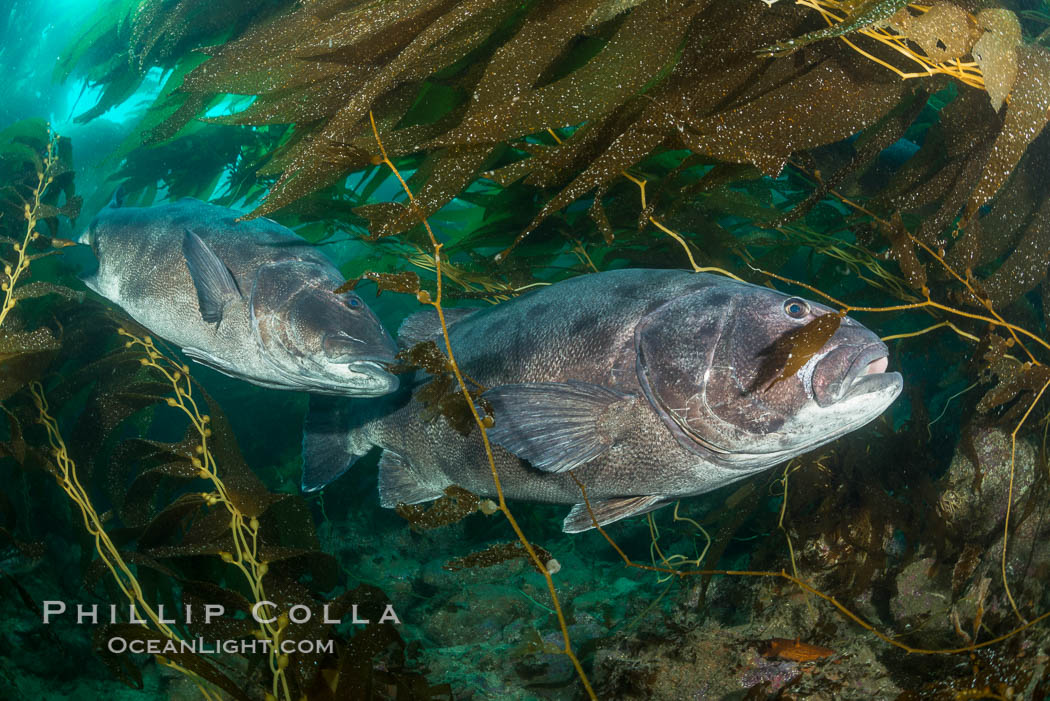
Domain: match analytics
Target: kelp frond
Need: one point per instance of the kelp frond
(478, 108)
(65, 473)
(245, 555)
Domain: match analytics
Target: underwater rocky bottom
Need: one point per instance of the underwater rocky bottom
(922, 567)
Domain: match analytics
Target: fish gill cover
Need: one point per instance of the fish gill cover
(888, 159)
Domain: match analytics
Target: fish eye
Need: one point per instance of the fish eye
(796, 308)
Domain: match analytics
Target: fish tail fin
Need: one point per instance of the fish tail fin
(331, 443)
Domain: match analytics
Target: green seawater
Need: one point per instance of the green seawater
(149, 553)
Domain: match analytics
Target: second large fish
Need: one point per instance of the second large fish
(250, 299)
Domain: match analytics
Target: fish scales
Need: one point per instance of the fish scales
(527, 343)
(638, 383)
(250, 299)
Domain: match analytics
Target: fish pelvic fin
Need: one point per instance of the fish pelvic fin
(556, 426)
(607, 511)
(329, 445)
(425, 325)
(397, 484)
(214, 282)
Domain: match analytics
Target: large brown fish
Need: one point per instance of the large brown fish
(644, 384)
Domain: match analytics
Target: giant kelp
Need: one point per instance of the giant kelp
(470, 97)
(865, 148)
(188, 523)
(36, 176)
(123, 39)
(162, 520)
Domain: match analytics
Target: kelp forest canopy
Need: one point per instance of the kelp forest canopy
(521, 120)
(889, 158)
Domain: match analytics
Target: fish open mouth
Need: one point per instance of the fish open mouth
(867, 373)
(369, 367)
(364, 377)
(850, 371)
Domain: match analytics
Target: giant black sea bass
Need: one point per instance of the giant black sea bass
(250, 299)
(645, 385)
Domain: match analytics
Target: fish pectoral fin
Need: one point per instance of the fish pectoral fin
(425, 325)
(556, 426)
(608, 510)
(397, 484)
(327, 450)
(214, 282)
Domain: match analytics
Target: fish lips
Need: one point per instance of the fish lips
(360, 378)
(341, 347)
(847, 372)
(370, 360)
(384, 381)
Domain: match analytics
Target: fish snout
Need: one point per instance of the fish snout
(373, 378)
(359, 364)
(851, 370)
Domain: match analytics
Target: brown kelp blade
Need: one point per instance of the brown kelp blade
(794, 349)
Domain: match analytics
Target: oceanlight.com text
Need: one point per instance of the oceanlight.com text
(119, 645)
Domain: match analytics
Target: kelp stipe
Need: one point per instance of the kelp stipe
(65, 473)
(245, 555)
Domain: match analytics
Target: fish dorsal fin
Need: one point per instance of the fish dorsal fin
(327, 449)
(397, 484)
(117, 201)
(214, 282)
(608, 510)
(425, 325)
(556, 426)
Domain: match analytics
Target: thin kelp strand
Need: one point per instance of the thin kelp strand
(965, 280)
(1010, 497)
(865, 24)
(244, 532)
(32, 213)
(641, 183)
(68, 479)
(483, 425)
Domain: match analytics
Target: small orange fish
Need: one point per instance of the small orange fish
(795, 650)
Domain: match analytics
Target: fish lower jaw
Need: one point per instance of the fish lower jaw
(871, 381)
(862, 405)
(361, 378)
(343, 387)
(378, 381)
(870, 361)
